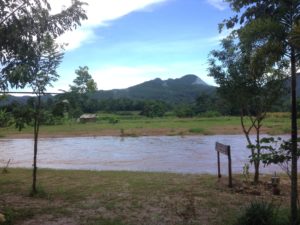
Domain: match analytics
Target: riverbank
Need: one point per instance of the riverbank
(124, 198)
(275, 124)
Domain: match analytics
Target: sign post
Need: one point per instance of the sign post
(224, 149)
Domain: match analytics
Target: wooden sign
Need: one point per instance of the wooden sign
(224, 149)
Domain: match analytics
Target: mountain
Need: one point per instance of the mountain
(182, 90)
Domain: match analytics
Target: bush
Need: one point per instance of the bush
(260, 212)
(113, 120)
(184, 111)
(154, 109)
(5, 118)
(210, 114)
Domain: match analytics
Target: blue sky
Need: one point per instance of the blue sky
(126, 42)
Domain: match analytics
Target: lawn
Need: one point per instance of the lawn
(129, 198)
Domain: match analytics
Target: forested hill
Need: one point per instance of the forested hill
(182, 90)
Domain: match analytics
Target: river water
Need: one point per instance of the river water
(189, 154)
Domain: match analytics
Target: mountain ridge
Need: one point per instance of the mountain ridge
(179, 90)
(174, 91)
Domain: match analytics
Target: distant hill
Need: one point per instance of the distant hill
(181, 90)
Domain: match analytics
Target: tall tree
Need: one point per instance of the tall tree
(233, 70)
(271, 26)
(28, 54)
(80, 92)
(42, 71)
(21, 22)
(83, 83)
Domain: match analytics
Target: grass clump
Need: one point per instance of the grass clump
(103, 221)
(262, 213)
(197, 130)
(12, 215)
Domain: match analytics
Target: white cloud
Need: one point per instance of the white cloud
(116, 77)
(99, 13)
(219, 4)
(215, 40)
(74, 39)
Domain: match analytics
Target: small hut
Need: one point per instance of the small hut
(84, 118)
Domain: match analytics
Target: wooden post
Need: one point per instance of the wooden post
(225, 149)
(219, 166)
(229, 167)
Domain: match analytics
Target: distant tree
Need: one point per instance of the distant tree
(154, 109)
(80, 93)
(185, 111)
(5, 118)
(83, 83)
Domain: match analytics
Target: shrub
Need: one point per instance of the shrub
(260, 212)
(196, 130)
(210, 114)
(184, 111)
(5, 118)
(113, 120)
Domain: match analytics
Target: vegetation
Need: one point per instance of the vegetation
(134, 123)
(258, 91)
(22, 24)
(270, 30)
(84, 82)
(43, 73)
(90, 197)
(252, 62)
(261, 212)
(29, 55)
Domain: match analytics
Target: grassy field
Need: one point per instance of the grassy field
(134, 125)
(129, 198)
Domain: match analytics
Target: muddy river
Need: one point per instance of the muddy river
(190, 154)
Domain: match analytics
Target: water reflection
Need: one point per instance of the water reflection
(191, 154)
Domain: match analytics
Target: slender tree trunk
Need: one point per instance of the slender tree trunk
(257, 159)
(294, 194)
(247, 135)
(35, 148)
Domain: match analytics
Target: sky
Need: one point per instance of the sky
(127, 42)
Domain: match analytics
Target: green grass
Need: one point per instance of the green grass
(122, 198)
(136, 125)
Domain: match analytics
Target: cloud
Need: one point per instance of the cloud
(99, 13)
(215, 40)
(119, 76)
(116, 76)
(219, 4)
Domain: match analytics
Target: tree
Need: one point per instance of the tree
(80, 95)
(42, 71)
(233, 70)
(21, 22)
(184, 111)
(83, 83)
(154, 109)
(273, 27)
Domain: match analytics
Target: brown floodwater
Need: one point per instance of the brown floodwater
(189, 154)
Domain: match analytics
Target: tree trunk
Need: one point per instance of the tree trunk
(294, 139)
(35, 148)
(247, 135)
(257, 159)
